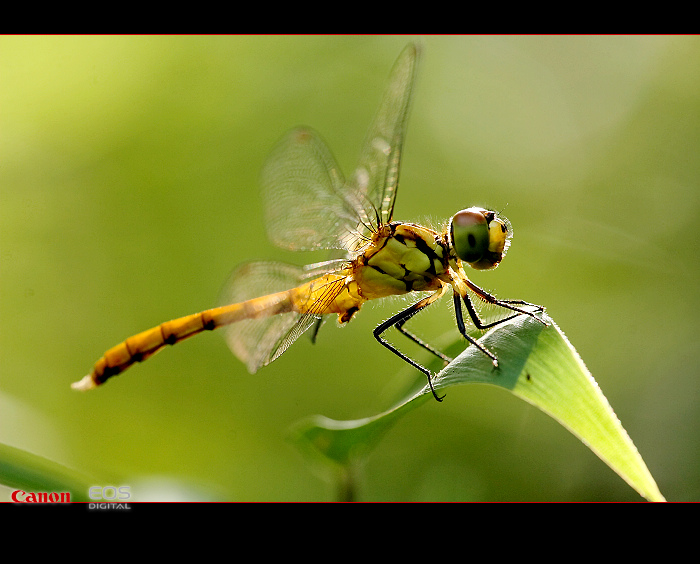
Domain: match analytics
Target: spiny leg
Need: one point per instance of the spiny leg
(398, 321)
(506, 304)
(314, 331)
(400, 326)
(477, 321)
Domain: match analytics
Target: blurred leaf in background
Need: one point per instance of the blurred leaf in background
(129, 190)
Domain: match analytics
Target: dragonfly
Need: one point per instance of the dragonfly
(309, 205)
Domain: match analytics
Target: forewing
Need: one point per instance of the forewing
(309, 206)
(375, 180)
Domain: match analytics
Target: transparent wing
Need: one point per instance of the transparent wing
(257, 342)
(308, 203)
(303, 321)
(375, 180)
(302, 187)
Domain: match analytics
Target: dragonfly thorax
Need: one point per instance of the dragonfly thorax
(402, 258)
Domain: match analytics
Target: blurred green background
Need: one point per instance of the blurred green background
(128, 191)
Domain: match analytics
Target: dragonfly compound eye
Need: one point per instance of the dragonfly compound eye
(479, 237)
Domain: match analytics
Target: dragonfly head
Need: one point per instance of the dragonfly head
(479, 237)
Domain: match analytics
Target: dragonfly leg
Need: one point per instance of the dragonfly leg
(314, 331)
(506, 304)
(398, 321)
(538, 308)
(477, 321)
(479, 324)
(400, 326)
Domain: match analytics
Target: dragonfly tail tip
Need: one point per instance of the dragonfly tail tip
(87, 383)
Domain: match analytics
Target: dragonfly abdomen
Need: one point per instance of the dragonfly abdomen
(138, 348)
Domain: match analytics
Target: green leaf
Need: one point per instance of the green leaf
(538, 365)
(31, 473)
